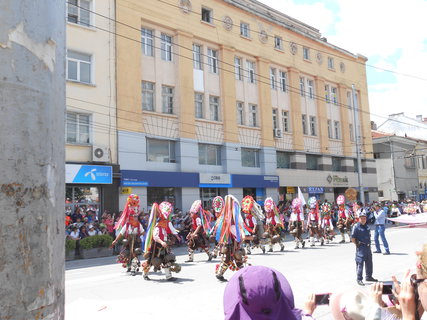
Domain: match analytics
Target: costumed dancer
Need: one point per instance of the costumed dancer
(327, 225)
(273, 224)
(197, 238)
(230, 232)
(345, 218)
(131, 229)
(296, 222)
(157, 250)
(314, 221)
(217, 205)
(253, 223)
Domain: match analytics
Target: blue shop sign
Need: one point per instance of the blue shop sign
(135, 178)
(87, 174)
(316, 190)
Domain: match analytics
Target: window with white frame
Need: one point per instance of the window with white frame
(244, 30)
(273, 80)
(214, 108)
(334, 95)
(337, 130)
(77, 128)
(148, 96)
(275, 120)
(327, 94)
(313, 126)
(349, 104)
(310, 85)
(161, 150)
(207, 15)
(250, 157)
(213, 60)
(253, 115)
(238, 68)
(331, 63)
(285, 121)
(350, 127)
(306, 53)
(304, 123)
(301, 86)
(78, 11)
(197, 57)
(330, 136)
(167, 99)
(278, 42)
(250, 66)
(198, 103)
(209, 154)
(79, 67)
(240, 113)
(166, 47)
(147, 42)
(282, 80)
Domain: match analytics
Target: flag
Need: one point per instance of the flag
(301, 197)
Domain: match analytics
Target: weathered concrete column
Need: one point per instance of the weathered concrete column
(32, 104)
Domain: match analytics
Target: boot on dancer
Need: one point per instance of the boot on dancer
(157, 250)
(253, 222)
(198, 237)
(273, 224)
(296, 222)
(131, 230)
(314, 221)
(230, 232)
(345, 219)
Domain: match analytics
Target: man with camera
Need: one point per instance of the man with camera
(361, 237)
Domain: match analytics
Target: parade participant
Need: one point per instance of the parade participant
(217, 206)
(157, 250)
(230, 232)
(327, 226)
(314, 221)
(197, 238)
(345, 218)
(253, 223)
(131, 229)
(297, 222)
(361, 237)
(274, 224)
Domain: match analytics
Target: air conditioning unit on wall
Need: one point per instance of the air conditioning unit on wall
(100, 154)
(277, 133)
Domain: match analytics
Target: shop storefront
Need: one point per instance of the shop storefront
(87, 187)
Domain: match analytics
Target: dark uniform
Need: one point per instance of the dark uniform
(362, 235)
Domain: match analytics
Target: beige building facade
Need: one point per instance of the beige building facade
(91, 133)
(231, 96)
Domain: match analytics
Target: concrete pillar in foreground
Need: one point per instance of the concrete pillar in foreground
(32, 104)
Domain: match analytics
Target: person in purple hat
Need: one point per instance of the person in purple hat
(262, 293)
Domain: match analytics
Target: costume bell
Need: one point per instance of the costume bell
(273, 223)
(230, 232)
(253, 223)
(157, 250)
(314, 221)
(129, 228)
(197, 238)
(296, 222)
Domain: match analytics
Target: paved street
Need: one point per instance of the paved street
(101, 289)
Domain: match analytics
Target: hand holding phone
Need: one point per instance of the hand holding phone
(322, 298)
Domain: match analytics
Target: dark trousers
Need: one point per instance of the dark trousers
(364, 257)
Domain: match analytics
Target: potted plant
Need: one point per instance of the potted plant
(96, 246)
(70, 249)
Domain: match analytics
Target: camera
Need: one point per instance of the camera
(322, 298)
(388, 287)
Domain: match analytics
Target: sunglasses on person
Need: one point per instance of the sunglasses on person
(415, 284)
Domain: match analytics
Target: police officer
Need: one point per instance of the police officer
(361, 237)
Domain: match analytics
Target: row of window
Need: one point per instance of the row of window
(312, 162)
(245, 31)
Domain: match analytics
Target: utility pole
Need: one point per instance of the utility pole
(32, 105)
(358, 151)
